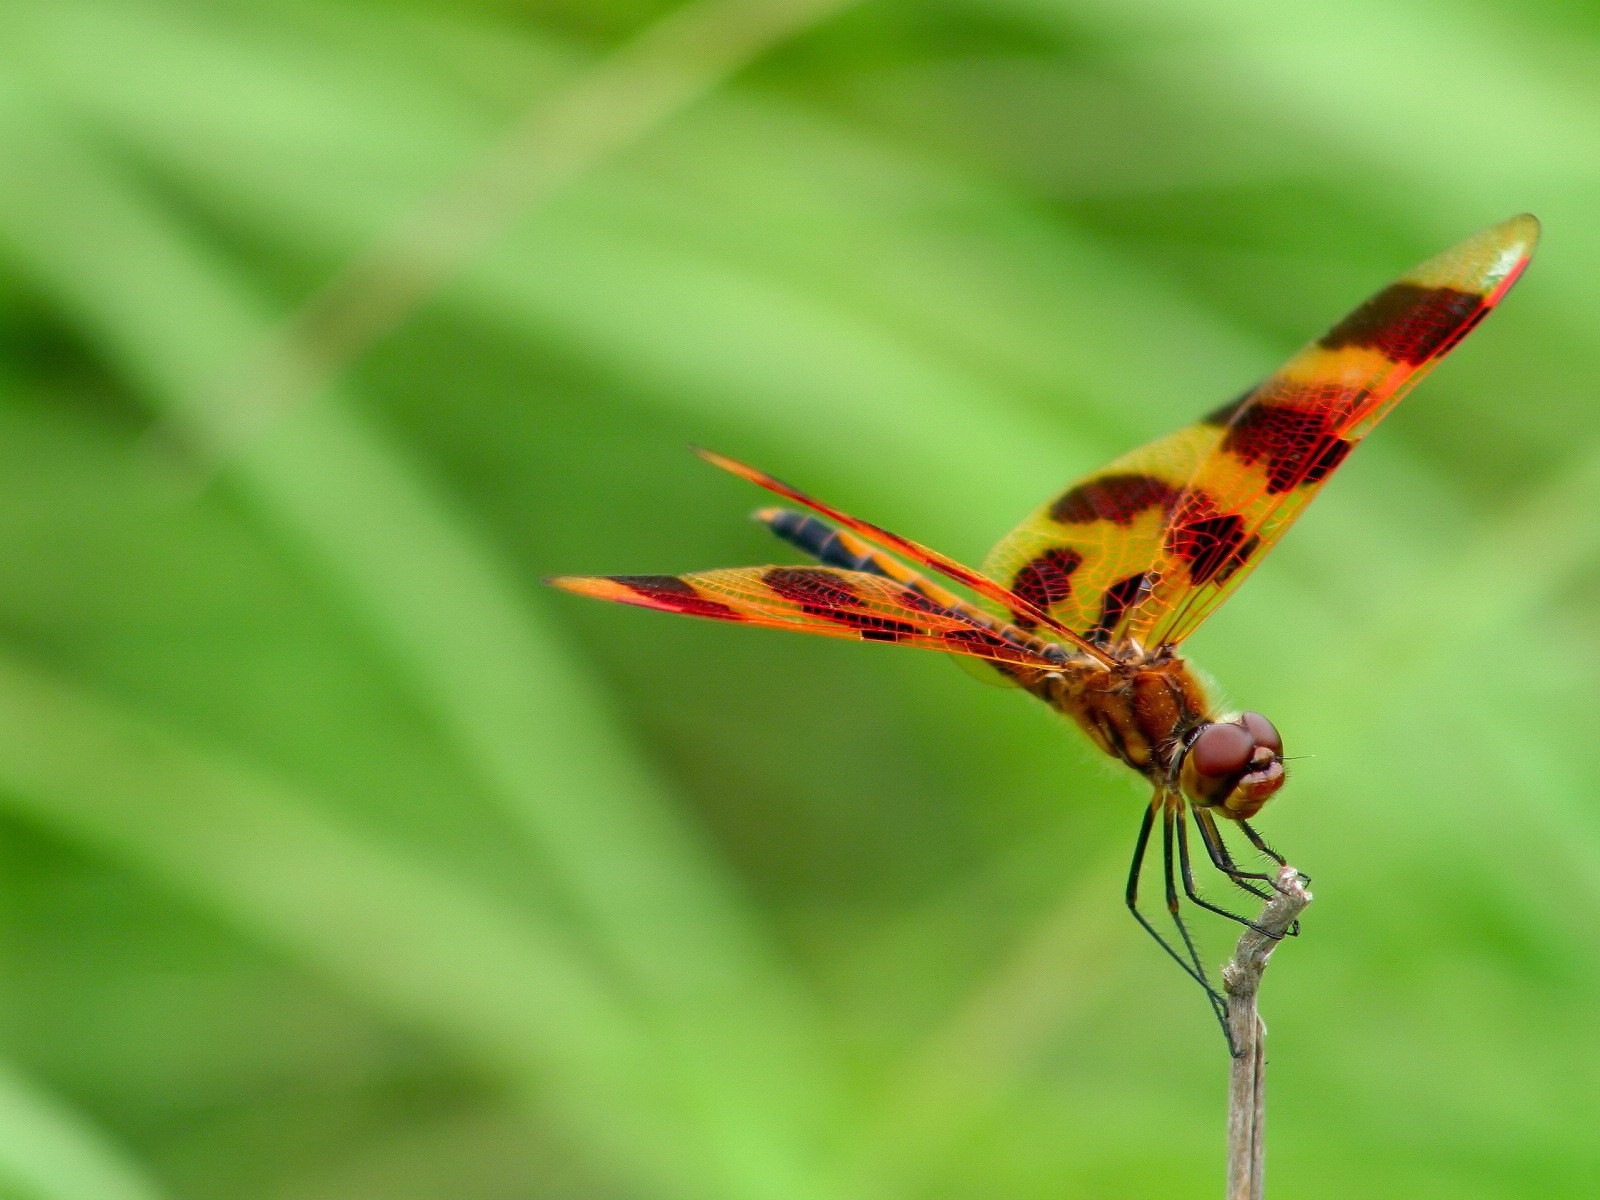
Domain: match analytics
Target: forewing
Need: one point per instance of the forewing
(1086, 556)
(982, 584)
(1276, 446)
(819, 600)
(1148, 546)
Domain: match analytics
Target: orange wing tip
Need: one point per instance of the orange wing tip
(663, 593)
(731, 465)
(601, 587)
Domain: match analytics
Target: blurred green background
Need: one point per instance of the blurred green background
(340, 859)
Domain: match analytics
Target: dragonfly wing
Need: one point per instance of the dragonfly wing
(839, 548)
(1150, 545)
(1277, 445)
(1086, 556)
(826, 601)
(884, 540)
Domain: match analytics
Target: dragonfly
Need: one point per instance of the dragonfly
(1088, 601)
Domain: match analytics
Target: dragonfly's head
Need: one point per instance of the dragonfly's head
(1233, 765)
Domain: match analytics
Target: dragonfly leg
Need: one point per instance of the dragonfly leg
(1219, 1004)
(1217, 848)
(1135, 869)
(1189, 889)
(1260, 844)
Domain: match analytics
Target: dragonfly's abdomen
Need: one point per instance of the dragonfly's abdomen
(829, 546)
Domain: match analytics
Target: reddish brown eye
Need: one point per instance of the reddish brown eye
(1222, 750)
(1263, 731)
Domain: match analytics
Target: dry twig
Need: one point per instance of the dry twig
(1247, 1087)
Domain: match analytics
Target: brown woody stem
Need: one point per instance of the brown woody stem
(1247, 1086)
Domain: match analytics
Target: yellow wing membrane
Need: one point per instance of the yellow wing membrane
(1149, 546)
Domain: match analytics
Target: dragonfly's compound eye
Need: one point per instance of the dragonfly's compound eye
(1262, 730)
(1234, 766)
(1222, 751)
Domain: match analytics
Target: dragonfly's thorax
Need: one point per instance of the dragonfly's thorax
(1140, 712)
(1153, 714)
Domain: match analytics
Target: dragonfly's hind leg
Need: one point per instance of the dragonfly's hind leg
(1170, 817)
(1135, 870)
(1191, 963)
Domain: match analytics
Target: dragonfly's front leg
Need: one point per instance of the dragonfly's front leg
(1223, 861)
(1194, 894)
